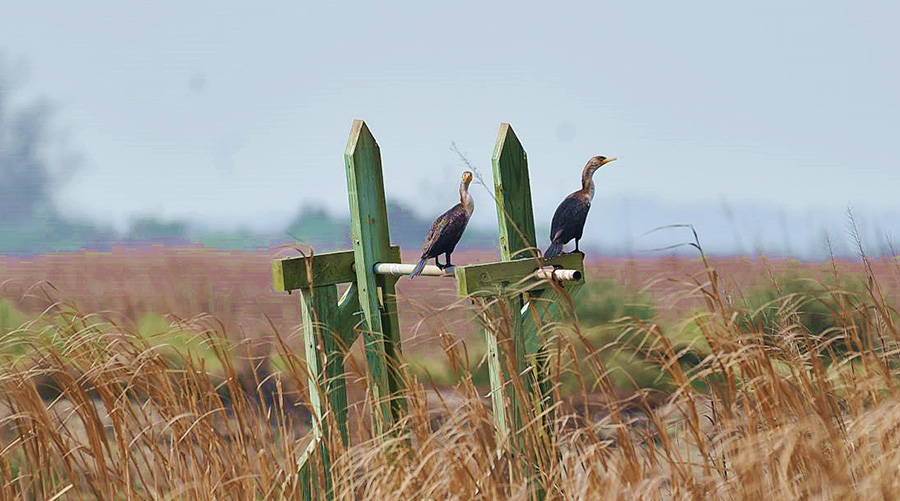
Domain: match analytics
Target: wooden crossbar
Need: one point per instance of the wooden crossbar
(328, 268)
(522, 275)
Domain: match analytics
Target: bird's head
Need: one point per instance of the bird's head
(464, 197)
(587, 176)
(597, 162)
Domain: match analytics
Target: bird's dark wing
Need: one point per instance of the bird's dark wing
(445, 232)
(569, 218)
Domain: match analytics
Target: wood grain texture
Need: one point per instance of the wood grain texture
(371, 244)
(513, 191)
(328, 268)
(510, 380)
(517, 357)
(497, 370)
(308, 487)
(349, 316)
(500, 314)
(545, 308)
(329, 329)
(390, 323)
(325, 364)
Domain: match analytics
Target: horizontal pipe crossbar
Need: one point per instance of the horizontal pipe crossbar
(400, 269)
(558, 274)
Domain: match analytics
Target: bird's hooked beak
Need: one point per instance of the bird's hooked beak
(606, 161)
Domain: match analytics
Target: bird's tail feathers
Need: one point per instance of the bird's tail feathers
(418, 268)
(554, 250)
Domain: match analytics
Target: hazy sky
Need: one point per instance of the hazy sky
(238, 112)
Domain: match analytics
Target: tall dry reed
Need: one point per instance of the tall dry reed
(90, 409)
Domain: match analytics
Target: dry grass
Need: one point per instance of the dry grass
(90, 409)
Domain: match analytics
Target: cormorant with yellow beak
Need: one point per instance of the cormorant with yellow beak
(568, 221)
(447, 229)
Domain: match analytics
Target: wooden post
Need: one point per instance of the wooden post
(506, 347)
(520, 389)
(377, 297)
(319, 308)
(513, 191)
(328, 325)
(522, 339)
(514, 210)
(329, 329)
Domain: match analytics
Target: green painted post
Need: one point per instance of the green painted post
(371, 245)
(319, 308)
(517, 240)
(513, 191)
(528, 354)
(321, 272)
(325, 348)
(496, 368)
(326, 324)
(329, 328)
(546, 300)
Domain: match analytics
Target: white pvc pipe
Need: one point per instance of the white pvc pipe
(559, 274)
(430, 270)
(400, 269)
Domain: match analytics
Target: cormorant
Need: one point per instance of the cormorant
(568, 221)
(447, 229)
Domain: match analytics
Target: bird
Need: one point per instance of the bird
(447, 229)
(569, 218)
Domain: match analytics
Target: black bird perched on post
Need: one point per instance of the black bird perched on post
(568, 221)
(447, 229)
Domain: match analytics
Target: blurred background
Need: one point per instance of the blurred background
(224, 123)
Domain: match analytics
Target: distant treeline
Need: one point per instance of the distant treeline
(36, 161)
(313, 226)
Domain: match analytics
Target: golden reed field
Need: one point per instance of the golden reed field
(177, 373)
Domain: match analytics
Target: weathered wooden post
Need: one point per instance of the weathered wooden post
(330, 326)
(515, 295)
(518, 241)
(377, 297)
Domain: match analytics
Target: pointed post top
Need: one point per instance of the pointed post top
(369, 231)
(360, 136)
(513, 191)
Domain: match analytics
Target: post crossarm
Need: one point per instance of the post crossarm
(328, 268)
(521, 275)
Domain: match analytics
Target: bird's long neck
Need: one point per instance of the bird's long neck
(466, 199)
(587, 182)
